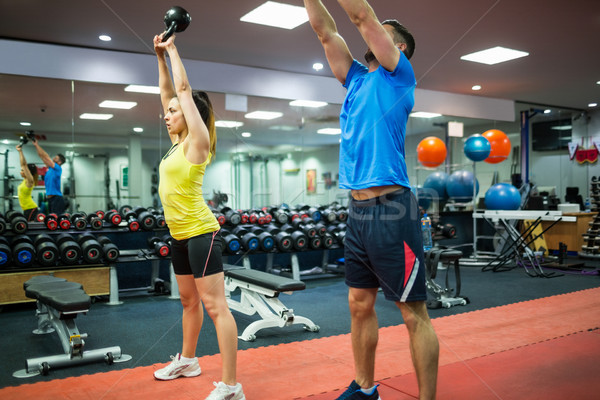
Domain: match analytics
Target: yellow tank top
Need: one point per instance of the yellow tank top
(25, 199)
(180, 190)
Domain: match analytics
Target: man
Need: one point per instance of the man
(383, 240)
(56, 202)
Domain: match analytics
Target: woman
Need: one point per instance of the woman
(196, 247)
(30, 178)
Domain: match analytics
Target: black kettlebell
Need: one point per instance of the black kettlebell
(176, 20)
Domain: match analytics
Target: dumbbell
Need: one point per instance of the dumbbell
(18, 222)
(279, 215)
(145, 218)
(78, 221)
(113, 217)
(305, 225)
(265, 239)
(329, 215)
(232, 217)
(342, 214)
(23, 250)
(159, 217)
(132, 222)
(232, 242)
(64, 221)
(160, 248)
(46, 250)
(283, 240)
(321, 228)
(100, 214)
(315, 242)
(168, 239)
(220, 217)
(5, 253)
(314, 214)
(109, 249)
(91, 250)
(95, 221)
(327, 240)
(69, 249)
(2, 224)
(51, 221)
(40, 217)
(248, 239)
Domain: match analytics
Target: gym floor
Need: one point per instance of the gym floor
(516, 331)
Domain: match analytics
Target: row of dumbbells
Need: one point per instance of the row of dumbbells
(48, 251)
(266, 215)
(282, 238)
(136, 218)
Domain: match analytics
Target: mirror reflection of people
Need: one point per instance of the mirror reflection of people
(30, 177)
(383, 245)
(52, 179)
(196, 248)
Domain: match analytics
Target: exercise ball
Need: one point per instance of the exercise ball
(477, 148)
(499, 146)
(435, 185)
(503, 196)
(431, 152)
(459, 185)
(424, 197)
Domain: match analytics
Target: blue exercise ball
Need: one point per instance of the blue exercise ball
(459, 185)
(477, 148)
(503, 196)
(435, 185)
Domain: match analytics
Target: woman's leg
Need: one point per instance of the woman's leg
(192, 314)
(212, 292)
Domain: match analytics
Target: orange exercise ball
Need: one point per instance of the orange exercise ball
(500, 146)
(431, 151)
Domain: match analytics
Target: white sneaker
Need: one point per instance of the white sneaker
(178, 368)
(222, 392)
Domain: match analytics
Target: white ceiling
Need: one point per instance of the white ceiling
(561, 37)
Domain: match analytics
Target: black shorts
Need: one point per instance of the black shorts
(31, 214)
(56, 205)
(384, 246)
(199, 255)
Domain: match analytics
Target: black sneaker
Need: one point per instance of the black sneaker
(354, 393)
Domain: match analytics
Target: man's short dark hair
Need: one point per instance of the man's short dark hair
(403, 36)
(61, 158)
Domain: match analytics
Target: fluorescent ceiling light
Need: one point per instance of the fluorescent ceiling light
(25, 123)
(246, 134)
(422, 114)
(263, 115)
(5, 141)
(476, 87)
(308, 103)
(228, 124)
(101, 117)
(494, 55)
(138, 129)
(122, 105)
(105, 38)
(286, 128)
(143, 89)
(317, 66)
(593, 105)
(330, 131)
(562, 128)
(278, 15)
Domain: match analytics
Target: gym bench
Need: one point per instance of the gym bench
(439, 296)
(58, 304)
(260, 294)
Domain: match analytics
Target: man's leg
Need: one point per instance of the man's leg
(424, 346)
(364, 333)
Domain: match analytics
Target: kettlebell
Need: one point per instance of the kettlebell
(177, 19)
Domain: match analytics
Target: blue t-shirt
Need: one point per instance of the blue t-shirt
(52, 180)
(373, 122)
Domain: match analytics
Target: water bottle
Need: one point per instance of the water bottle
(588, 205)
(426, 232)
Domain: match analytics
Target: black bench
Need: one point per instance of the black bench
(260, 294)
(58, 304)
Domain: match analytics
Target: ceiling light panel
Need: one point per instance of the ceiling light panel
(228, 124)
(100, 117)
(266, 115)
(495, 55)
(277, 15)
(308, 103)
(143, 89)
(121, 105)
(329, 131)
(422, 114)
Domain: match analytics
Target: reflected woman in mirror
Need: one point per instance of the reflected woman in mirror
(30, 178)
(197, 247)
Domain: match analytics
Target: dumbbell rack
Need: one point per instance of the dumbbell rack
(591, 247)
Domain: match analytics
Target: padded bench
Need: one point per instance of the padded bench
(260, 294)
(58, 303)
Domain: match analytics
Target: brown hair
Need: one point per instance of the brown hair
(206, 112)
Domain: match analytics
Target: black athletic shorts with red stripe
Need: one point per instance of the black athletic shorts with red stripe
(384, 246)
(199, 255)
